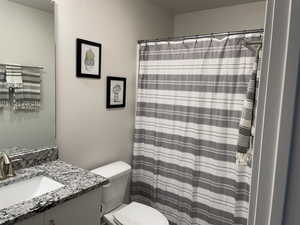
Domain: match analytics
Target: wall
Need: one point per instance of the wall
(238, 17)
(27, 38)
(277, 104)
(292, 203)
(88, 134)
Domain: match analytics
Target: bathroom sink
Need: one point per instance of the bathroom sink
(25, 190)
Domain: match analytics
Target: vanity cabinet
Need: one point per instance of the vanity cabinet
(83, 210)
(36, 220)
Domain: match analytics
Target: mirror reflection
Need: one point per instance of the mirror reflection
(27, 74)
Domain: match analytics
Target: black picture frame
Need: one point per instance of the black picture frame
(116, 80)
(80, 72)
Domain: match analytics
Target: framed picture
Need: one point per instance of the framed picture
(88, 62)
(116, 92)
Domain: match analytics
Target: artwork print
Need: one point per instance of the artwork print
(116, 92)
(88, 59)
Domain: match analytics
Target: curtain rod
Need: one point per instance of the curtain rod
(33, 67)
(182, 38)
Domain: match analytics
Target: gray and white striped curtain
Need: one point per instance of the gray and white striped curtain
(190, 100)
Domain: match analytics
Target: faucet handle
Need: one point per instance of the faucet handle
(10, 171)
(2, 173)
(6, 168)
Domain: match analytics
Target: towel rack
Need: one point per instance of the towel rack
(33, 67)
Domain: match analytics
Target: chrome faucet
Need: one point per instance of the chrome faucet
(6, 168)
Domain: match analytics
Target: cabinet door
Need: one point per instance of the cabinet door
(84, 210)
(36, 220)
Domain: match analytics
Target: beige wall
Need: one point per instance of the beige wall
(27, 38)
(88, 134)
(239, 17)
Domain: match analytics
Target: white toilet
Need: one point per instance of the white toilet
(114, 212)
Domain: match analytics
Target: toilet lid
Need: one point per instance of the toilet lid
(138, 214)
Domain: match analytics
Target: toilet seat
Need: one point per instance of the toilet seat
(136, 214)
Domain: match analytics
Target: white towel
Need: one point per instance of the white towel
(13, 76)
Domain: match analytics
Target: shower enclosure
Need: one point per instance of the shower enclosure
(194, 126)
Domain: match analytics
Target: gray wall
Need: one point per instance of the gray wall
(238, 17)
(27, 38)
(292, 204)
(88, 134)
(276, 110)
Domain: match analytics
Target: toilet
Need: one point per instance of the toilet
(114, 212)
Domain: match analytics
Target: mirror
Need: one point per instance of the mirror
(27, 74)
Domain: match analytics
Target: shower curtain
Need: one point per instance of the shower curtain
(191, 97)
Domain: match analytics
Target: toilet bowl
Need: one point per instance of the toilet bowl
(135, 214)
(114, 212)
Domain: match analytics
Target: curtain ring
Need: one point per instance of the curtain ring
(228, 35)
(196, 42)
(244, 40)
(211, 37)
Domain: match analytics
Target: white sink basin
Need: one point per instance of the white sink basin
(25, 190)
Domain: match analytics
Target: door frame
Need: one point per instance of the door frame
(276, 106)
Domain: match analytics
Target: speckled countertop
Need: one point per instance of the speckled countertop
(77, 181)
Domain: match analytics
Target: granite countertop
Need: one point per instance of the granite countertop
(76, 182)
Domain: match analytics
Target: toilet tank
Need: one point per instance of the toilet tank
(113, 194)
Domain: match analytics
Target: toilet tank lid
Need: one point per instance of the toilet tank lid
(112, 170)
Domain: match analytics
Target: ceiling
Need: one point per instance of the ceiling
(44, 5)
(183, 6)
(176, 6)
